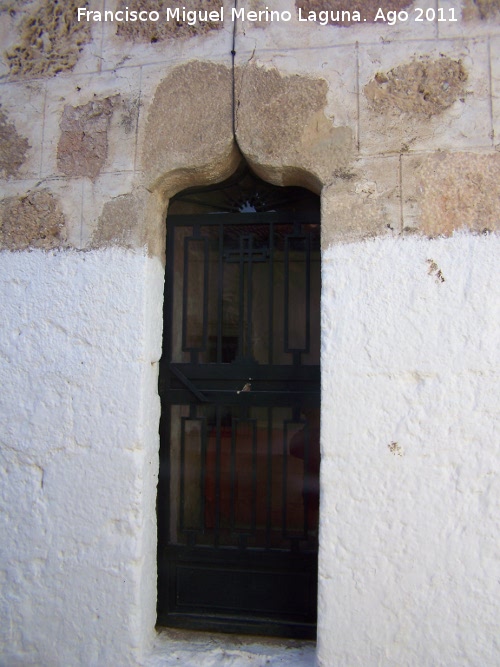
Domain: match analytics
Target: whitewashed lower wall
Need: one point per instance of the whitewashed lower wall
(80, 338)
(408, 565)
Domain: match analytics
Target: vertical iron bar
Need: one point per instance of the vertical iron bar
(285, 480)
(168, 298)
(269, 476)
(306, 483)
(270, 292)
(220, 294)
(241, 314)
(203, 473)
(254, 475)
(217, 476)
(206, 258)
(249, 296)
(185, 292)
(234, 432)
(164, 490)
(286, 278)
(308, 292)
(182, 464)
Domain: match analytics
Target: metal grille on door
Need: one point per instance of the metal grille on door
(239, 383)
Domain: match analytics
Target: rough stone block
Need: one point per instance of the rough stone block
(21, 129)
(96, 194)
(445, 192)
(367, 8)
(9, 23)
(13, 147)
(337, 67)
(419, 89)
(186, 131)
(471, 21)
(495, 89)
(164, 43)
(283, 131)
(316, 34)
(362, 203)
(156, 31)
(51, 40)
(32, 221)
(83, 145)
(131, 220)
(91, 125)
(481, 9)
(426, 97)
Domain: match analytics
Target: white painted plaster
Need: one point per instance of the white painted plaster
(79, 415)
(409, 564)
(409, 502)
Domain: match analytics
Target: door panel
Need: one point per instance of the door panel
(239, 382)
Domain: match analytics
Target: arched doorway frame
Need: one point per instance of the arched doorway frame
(296, 144)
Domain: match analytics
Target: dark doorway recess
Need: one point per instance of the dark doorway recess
(240, 388)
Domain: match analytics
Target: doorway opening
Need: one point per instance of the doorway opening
(238, 497)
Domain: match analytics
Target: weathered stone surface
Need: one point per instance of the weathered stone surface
(282, 129)
(13, 147)
(495, 88)
(362, 203)
(129, 114)
(421, 88)
(32, 221)
(406, 119)
(259, 6)
(156, 31)
(188, 134)
(83, 145)
(51, 40)
(118, 224)
(446, 192)
(481, 9)
(133, 220)
(367, 8)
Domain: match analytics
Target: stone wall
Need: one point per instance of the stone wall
(396, 124)
(408, 544)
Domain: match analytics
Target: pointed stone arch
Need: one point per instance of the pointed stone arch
(280, 129)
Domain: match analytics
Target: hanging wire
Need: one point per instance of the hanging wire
(233, 57)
